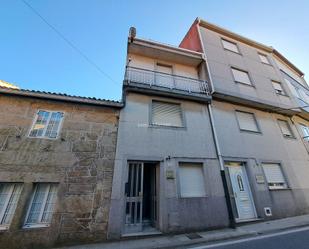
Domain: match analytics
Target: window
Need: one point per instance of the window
(264, 59)
(278, 87)
(166, 114)
(191, 180)
(47, 124)
(41, 208)
(247, 121)
(9, 195)
(231, 46)
(274, 176)
(241, 76)
(293, 89)
(285, 128)
(305, 130)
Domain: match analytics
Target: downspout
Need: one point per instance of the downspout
(216, 141)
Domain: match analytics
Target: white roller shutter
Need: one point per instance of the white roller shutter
(247, 121)
(274, 175)
(241, 76)
(167, 114)
(285, 128)
(264, 59)
(191, 180)
(230, 46)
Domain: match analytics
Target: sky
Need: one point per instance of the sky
(33, 56)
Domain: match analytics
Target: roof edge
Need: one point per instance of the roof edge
(248, 41)
(60, 97)
(176, 49)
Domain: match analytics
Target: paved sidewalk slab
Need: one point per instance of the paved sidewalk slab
(170, 241)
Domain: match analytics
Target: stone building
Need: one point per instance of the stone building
(56, 162)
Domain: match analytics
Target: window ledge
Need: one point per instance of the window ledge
(167, 127)
(279, 189)
(284, 95)
(288, 137)
(268, 64)
(35, 226)
(4, 228)
(233, 51)
(252, 132)
(48, 138)
(193, 197)
(244, 84)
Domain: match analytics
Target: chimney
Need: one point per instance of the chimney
(132, 33)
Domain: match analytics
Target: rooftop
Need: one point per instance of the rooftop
(58, 96)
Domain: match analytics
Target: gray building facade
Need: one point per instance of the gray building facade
(176, 147)
(260, 116)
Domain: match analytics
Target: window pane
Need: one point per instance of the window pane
(166, 114)
(39, 126)
(247, 121)
(53, 125)
(241, 76)
(11, 204)
(42, 205)
(191, 180)
(230, 46)
(293, 89)
(37, 203)
(50, 203)
(264, 59)
(285, 128)
(274, 175)
(305, 130)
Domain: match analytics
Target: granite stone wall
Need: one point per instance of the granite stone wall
(80, 161)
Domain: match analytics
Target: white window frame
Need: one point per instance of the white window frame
(264, 56)
(231, 42)
(244, 71)
(254, 118)
(39, 224)
(280, 187)
(288, 126)
(5, 206)
(45, 128)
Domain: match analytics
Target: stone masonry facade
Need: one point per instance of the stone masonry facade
(80, 161)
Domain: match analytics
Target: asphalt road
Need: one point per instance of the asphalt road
(292, 239)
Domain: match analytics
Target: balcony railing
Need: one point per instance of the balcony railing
(167, 81)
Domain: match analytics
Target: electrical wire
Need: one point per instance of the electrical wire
(72, 45)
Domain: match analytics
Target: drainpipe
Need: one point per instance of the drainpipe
(222, 171)
(216, 141)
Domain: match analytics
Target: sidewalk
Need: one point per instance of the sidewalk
(171, 241)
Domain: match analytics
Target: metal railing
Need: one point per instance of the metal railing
(169, 81)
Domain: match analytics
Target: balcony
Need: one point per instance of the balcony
(155, 82)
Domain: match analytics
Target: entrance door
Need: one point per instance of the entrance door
(134, 198)
(241, 191)
(141, 200)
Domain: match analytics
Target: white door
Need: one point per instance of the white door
(241, 191)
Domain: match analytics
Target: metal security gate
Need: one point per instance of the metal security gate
(134, 198)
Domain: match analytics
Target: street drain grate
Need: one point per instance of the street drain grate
(194, 236)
